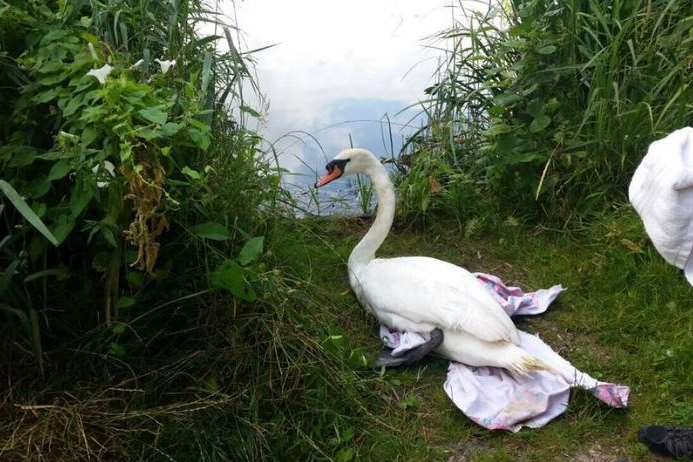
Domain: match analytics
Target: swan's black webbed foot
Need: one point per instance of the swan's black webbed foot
(412, 356)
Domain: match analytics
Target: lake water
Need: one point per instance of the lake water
(339, 69)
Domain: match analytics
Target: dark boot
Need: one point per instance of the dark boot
(672, 441)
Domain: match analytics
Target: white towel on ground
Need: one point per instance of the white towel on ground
(492, 397)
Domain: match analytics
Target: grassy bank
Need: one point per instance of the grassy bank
(624, 318)
(285, 378)
(170, 309)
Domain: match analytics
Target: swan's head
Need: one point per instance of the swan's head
(348, 162)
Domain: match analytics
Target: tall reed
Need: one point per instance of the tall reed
(549, 106)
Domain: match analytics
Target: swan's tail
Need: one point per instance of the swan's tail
(522, 364)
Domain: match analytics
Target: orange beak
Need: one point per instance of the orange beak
(329, 178)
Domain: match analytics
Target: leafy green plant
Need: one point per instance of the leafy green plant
(236, 275)
(106, 150)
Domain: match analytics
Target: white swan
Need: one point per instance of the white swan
(422, 294)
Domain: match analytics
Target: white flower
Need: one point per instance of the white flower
(101, 73)
(165, 65)
(137, 64)
(109, 167)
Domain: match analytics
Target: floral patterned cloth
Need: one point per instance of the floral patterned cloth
(496, 400)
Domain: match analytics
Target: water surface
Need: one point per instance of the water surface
(339, 71)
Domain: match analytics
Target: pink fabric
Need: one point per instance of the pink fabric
(495, 399)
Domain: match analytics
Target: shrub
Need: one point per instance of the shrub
(116, 138)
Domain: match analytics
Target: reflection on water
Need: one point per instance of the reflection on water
(341, 72)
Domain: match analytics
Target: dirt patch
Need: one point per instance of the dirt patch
(605, 453)
(599, 453)
(469, 451)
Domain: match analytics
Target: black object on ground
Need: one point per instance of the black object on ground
(412, 356)
(671, 441)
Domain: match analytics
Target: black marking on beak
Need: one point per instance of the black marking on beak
(335, 169)
(341, 163)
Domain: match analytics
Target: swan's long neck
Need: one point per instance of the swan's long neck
(365, 250)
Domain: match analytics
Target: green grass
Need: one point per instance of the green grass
(211, 379)
(625, 318)
(190, 373)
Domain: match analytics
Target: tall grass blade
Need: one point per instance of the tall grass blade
(26, 211)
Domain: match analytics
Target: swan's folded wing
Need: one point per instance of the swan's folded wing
(482, 317)
(433, 292)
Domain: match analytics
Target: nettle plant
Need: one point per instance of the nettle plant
(101, 151)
